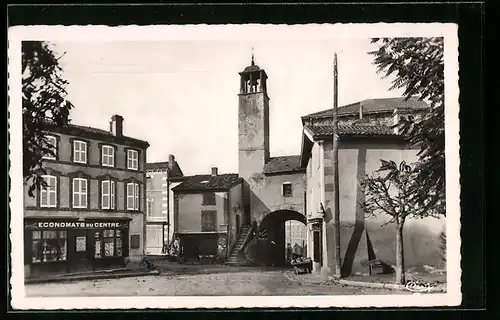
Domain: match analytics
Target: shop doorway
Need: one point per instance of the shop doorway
(80, 249)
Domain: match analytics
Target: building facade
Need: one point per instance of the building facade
(91, 215)
(207, 215)
(366, 135)
(161, 178)
(273, 187)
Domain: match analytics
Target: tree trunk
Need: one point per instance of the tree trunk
(400, 258)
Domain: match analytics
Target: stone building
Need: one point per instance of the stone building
(91, 215)
(366, 135)
(161, 178)
(207, 215)
(299, 188)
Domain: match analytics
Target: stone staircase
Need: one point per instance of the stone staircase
(236, 257)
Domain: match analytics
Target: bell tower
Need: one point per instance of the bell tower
(253, 129)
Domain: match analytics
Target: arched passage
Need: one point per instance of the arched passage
(272, 235)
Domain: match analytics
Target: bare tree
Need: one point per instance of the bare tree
(389, 191)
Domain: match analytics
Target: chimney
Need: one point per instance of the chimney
(395, 121)
(360, 111)
(116, 125)
(171, 161)
(214, 171)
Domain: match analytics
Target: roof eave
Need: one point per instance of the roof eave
(276, 173)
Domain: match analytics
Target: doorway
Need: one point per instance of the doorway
(79, 250)
(237, 225)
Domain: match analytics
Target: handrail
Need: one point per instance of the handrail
(253, 227)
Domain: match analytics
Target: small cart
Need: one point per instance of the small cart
(302, 265)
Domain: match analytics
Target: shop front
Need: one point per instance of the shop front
(58, 246)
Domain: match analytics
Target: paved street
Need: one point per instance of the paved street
(245, 282)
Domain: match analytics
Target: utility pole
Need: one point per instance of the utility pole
(335, 158)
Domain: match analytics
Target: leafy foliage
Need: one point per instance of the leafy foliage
(418, 67)
(44, 105)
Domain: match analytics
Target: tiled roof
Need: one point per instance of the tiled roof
(372, 106)
(355, 129)
(208, 182)
(283, 164)
(92, 131)
(175, 172)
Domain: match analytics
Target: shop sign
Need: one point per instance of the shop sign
(76, 225)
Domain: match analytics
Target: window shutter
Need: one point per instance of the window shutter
(136, 197)
(105, 195)
(112, 195)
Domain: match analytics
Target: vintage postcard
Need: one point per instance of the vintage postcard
(229, 166)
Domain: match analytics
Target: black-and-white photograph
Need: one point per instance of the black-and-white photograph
(279, 163)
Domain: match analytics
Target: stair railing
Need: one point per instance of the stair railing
(250, 234)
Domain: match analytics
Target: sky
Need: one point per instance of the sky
(181, 96)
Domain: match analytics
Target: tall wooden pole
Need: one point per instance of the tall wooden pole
(335, 158)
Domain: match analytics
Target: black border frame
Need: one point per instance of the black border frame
(470, 17)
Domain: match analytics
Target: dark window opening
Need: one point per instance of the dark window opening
(209, 198)
(316, 245)
(135, 241)
(208, 221)
(287, 189)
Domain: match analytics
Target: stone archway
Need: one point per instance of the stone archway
(271, 236)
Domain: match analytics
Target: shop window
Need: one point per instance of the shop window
(208, 221)
(132, 196)
(48, 195)
(108, 194)
(209, 198)
(108, 156)
(48, 246)
(108, 243)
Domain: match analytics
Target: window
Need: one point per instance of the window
(108, 243)
(287, 189)
(132, 196)
(49, 246)
(52, 141)
(108, 156)
(79, 151)
(208, 221)
(209, 198)
(108, 194)
(132, 159)
(149, 208)
(48, 196)
(79, 193)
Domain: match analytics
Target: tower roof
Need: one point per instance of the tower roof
(252, 67)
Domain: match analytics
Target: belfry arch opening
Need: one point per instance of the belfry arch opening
(274, 236)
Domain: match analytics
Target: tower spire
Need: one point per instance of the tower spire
(253, 62)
